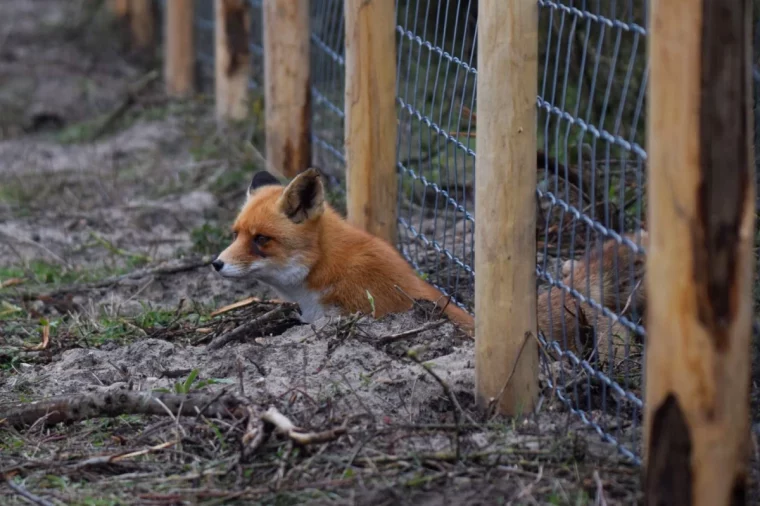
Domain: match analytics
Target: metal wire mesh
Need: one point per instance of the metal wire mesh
(592, 83)
(436, 146)
(327, 90)
(591, 172)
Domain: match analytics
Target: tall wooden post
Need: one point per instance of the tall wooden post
(142, 23)
(287, 86)
(700, 265)
(120, 8)
(371, 119)
(232, 58)
(506, 351)
(179, 61)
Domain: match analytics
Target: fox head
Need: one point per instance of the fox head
(276, 233)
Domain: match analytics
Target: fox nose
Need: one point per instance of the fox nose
(218, 264)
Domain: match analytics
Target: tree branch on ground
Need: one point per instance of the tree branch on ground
(74, 408)
(242, 331)
(159, 270)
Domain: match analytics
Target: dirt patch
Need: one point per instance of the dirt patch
(105, 239)
(403, 429)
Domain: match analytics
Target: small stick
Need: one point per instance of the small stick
(256, 434)
(116, 250)
(11, 282)
(41, 246)
(446, 388)
(461, 134)
(109, 459)
(244, 303)
(45, 339)
(600, 500)
(112, 404)
(26, 494)
(450, 394)
(187, 265)
(411, 333)
(494, 400)
(241, 331)
(288, 429)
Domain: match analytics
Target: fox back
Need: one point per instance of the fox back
(289, 238)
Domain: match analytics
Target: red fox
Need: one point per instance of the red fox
(613, 278)
(289, 238)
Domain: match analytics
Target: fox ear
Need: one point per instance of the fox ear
(304, 198)
(262, 178)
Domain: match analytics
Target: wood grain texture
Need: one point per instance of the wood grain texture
(287, 86)
(232, 64)
(142, 23)
(179, 58)
(505, 210)
(700, 266)
(371, 120)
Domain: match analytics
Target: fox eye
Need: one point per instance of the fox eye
(261, 240)
(234, 235)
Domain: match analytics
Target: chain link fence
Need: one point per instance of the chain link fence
(591, 163)
(592, 82)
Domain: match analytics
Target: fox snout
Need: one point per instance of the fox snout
(224, 268)
(231, 269)
(218, 264)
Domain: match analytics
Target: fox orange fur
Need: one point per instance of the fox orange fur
(613, 277)
(289, 238)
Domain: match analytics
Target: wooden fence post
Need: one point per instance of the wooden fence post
(506, 350)
(371, 119)
(232, 58)
(179, 61)
(142, 23)
(120, 8)
(287, 98)
(700, 259)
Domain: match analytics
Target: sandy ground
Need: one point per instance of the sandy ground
(115, 228)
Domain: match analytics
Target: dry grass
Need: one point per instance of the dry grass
(104, 287)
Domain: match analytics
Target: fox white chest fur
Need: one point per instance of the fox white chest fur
(271, 234)
(288, 280)
(289, 238)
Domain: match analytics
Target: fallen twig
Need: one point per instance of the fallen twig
(163, 269)
(45, 339)
(7, 309)
(113, 404)
(260, 428)
(528, 491)
(286, 428)
(11, 282)
(244, 303)
(36, 244)
(111, 459)
(241, 331)
(116, 250)
(450, 394)
(255, 434)
(26, 494)
(446, 388)
(492, 402)
(411, 333)
(599, 500)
